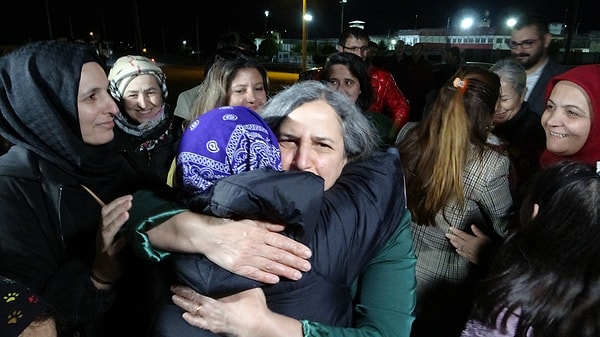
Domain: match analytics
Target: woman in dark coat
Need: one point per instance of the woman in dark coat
(146, 131)
(56, 110)
(518, 128)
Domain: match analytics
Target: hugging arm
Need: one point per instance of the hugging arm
(158, 227)
(290, 198)
(359, 213)
(385, 301)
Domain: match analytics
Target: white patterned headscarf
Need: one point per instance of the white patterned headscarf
(125, 69)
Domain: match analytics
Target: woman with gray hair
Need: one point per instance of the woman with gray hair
(519, 129)
(361, 234)
(360, 138)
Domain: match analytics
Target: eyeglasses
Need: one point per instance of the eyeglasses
(527, 44)
(355, 49)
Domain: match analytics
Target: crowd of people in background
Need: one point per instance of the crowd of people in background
(378, 197)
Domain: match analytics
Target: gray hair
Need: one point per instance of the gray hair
(360, 138)
(511, 72)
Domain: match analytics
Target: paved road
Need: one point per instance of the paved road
(181, 78)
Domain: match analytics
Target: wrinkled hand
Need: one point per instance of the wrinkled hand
(107, 265)
(257, 251)
(235, 315)
(472, 247)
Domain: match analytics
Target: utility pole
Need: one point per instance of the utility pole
(343, 2)
(571, 28)
(49, 22)
(138, 31)
(266, 23)
(304, 36)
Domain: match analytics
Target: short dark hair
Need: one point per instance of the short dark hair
(539, 21)
(357, 32)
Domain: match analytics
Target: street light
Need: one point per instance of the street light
(306, 18)
(511, 22)
(343, 2)
(466, 23)
(266, 20)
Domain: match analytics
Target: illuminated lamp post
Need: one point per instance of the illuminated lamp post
(466, 23)
(266, 22)
(342, 2)
(511, 22)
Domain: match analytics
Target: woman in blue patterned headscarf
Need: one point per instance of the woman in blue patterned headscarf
(223, 142)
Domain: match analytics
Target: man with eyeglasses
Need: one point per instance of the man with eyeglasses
(388, 99)
(529, 44)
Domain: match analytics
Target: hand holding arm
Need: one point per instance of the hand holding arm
(472, 247)
(229, 315)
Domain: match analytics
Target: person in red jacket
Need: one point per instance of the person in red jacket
(388, 99)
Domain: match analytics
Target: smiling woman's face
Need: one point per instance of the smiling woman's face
(567, 119)
(509, 103)
(143, 98)
(95, 106)
(247, 89)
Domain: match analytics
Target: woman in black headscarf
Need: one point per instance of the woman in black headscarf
(56, 110)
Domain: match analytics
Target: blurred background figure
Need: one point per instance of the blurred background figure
(451, 61)
(418, 82)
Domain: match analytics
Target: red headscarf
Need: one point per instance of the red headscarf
(588, 78)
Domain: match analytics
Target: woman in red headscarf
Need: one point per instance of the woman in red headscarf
(572, 129)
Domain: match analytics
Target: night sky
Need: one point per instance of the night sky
(165, 26)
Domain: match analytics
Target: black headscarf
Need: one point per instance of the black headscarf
(39, 86)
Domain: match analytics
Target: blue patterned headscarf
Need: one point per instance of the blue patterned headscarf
(223, 142)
